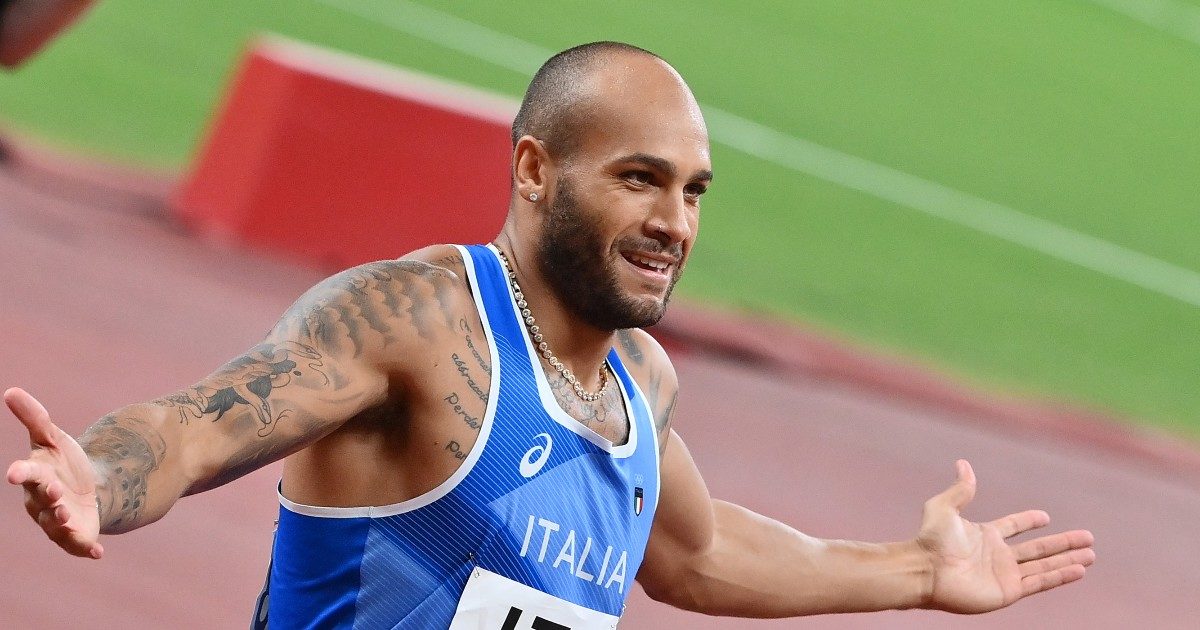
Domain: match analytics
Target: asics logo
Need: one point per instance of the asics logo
(535, 458)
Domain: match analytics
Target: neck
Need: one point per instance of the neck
(579, 345)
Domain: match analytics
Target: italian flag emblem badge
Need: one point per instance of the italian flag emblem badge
(637, 501)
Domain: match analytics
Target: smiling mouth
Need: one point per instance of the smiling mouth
(648, 264)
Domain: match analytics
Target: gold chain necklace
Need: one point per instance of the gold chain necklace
(543, 347)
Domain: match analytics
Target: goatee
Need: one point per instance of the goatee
(572, 258)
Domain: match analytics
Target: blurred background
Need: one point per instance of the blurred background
(1002, 192)
(1065, 128)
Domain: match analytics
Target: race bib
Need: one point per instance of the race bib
(493, 602)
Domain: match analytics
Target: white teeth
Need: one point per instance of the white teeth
(655, 264)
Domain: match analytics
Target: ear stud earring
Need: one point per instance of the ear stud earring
(533, 196)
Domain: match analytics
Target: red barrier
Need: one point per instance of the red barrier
(342, 160)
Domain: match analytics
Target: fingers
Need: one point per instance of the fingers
(27, 471)
(44, 502)
(53, 516)
(33, 415)
(55, 521)
(1082, 557)
(75, 543)
(61, 514)
(41, 483)
(1051, 545)
(1014, 524)
(46, 496)
(960, 494)
(1052, 561)
(71, 541)
(1045, 581)
(49, 519)
(43, 490)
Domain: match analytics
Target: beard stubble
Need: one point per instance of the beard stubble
(583, 274)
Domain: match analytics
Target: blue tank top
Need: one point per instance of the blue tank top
(543, 518)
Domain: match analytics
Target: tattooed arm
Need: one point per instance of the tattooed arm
(649, 365)
(331, 356)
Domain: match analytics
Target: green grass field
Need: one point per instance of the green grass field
(1068, 111)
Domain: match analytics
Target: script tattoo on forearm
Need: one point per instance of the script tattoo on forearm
(128, 451)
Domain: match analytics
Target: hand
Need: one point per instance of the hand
(975, 570)
(60, 484)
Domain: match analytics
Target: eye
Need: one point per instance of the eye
(695, 190)
(641, 178)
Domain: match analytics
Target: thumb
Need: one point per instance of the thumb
(960, 494)
(33, 415)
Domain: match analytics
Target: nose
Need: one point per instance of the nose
(673, 219)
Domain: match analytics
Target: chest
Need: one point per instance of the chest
(455, 390)
(538, 501)
(411, 447)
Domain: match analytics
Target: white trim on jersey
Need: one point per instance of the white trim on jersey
(657, 446)
(551, 405)
(464, 469)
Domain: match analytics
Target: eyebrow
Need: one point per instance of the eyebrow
(665, 166)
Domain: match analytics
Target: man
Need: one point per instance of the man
(28, 25)
(481, 437)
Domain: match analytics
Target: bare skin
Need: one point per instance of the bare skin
(28, 25)
(373, 384)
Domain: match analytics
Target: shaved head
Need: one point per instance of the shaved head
(556, 102)
(610, 158)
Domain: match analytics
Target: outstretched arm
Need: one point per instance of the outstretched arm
(722, 559)
(329, 358)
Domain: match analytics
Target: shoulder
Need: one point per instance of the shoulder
(387, 303)
(643, 356)
(383, 281)
(446, 257)
(389, 272)
(649, 365)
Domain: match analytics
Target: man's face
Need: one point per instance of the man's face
(606, 282)
(625, 211)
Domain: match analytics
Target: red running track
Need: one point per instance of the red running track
(103, 302)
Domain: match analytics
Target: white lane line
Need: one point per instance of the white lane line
(448, 31)
(809, 158)
(957, 207)
(1173, 17)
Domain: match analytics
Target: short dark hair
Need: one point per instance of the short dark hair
(550, 106)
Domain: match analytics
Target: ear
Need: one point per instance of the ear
(531, 168)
